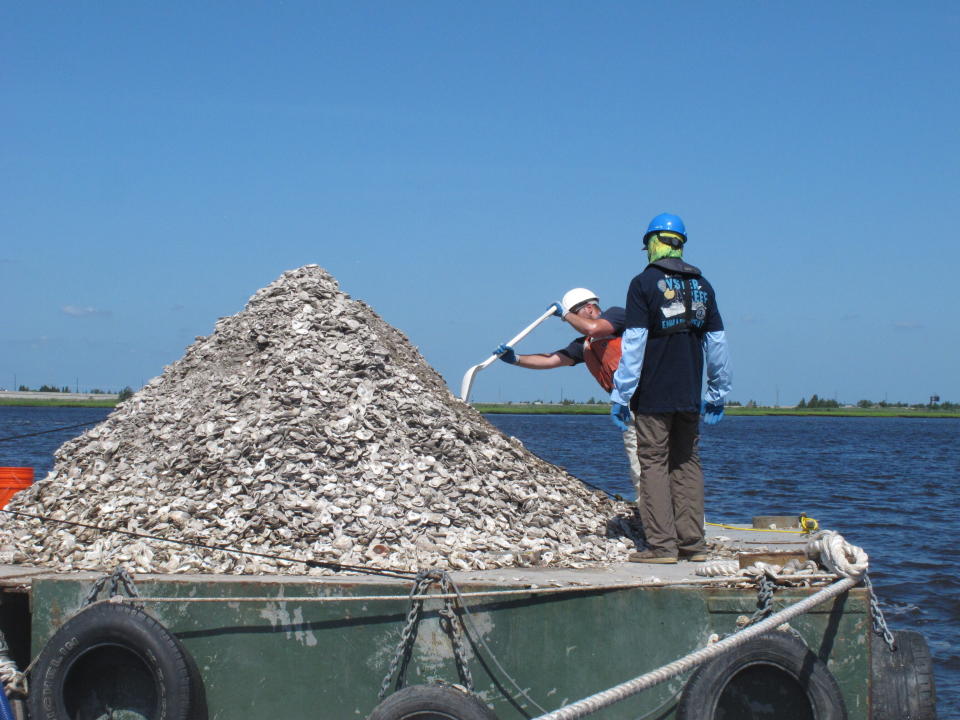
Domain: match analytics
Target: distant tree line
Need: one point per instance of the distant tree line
(44, 388)
(123, 394)
(949, 406)
(817, 402)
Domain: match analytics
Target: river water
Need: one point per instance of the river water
(889, 485)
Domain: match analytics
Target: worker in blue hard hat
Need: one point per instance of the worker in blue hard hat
(672, 327)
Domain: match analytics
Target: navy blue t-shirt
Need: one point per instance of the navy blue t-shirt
(666, 295)
(616, 316)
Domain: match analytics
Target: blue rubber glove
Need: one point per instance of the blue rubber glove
(712, 413)
(557, 309)
(506, 354)
(620, 414)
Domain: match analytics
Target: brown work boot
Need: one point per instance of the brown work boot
(651, 556)
(694, 555)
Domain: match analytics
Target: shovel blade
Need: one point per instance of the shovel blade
(468, 382)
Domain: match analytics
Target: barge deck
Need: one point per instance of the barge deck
(535, 639)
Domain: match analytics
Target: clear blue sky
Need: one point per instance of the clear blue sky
(458, 166)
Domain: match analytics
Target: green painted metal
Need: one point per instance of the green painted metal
(294, 659)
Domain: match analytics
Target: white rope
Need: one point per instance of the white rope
(837, 555)
(727, 568)
(10, 676)
(718, 568)
(834, 553)
(678, 667)
(552, 590)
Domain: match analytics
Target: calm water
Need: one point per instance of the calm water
(889, 485)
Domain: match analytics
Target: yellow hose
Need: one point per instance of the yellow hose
(808, 524)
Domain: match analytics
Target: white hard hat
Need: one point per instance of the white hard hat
(577, 296)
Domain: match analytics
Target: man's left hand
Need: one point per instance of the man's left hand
(506, 353)
(620, 414)
(712, 413)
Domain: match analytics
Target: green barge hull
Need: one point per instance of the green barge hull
(298, 647)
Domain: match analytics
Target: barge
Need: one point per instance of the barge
(508, 644)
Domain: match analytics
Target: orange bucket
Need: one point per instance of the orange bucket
(12, 481)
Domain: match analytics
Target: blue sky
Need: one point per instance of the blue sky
(458, 166)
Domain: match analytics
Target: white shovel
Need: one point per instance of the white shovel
(468, 377)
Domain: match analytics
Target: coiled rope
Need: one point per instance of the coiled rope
(730, 568)
(837, 555)
(719, 568)
(11, 678)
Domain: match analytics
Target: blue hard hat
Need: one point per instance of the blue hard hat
(666, 222)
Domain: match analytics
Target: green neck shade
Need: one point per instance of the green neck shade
(657, 249)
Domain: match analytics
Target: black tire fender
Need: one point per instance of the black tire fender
(901, 682)
(432, 702)
(115, 656)
(776, 670)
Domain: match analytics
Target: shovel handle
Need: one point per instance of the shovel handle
(468, 377)
(519, 336)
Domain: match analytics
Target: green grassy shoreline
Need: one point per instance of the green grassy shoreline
(25, 402)
(584, 409)
(603, 409)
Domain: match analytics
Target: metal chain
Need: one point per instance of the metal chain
(449, 621)
(114, 583)
(119, 575)
(453, 627)
(408, 635)
(95, 590)
(765, 588)
(128, 583)
(879, 623)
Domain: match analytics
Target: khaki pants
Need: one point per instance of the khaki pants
(630, 445)
(670, 492)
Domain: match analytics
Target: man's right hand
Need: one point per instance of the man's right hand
(620, 414)
(506, 353)
(712, 413)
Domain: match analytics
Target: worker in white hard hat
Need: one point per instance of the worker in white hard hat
(598, 348)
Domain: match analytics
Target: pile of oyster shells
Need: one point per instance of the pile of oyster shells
(305, 427)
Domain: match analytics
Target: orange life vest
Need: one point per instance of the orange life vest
(602, 356)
